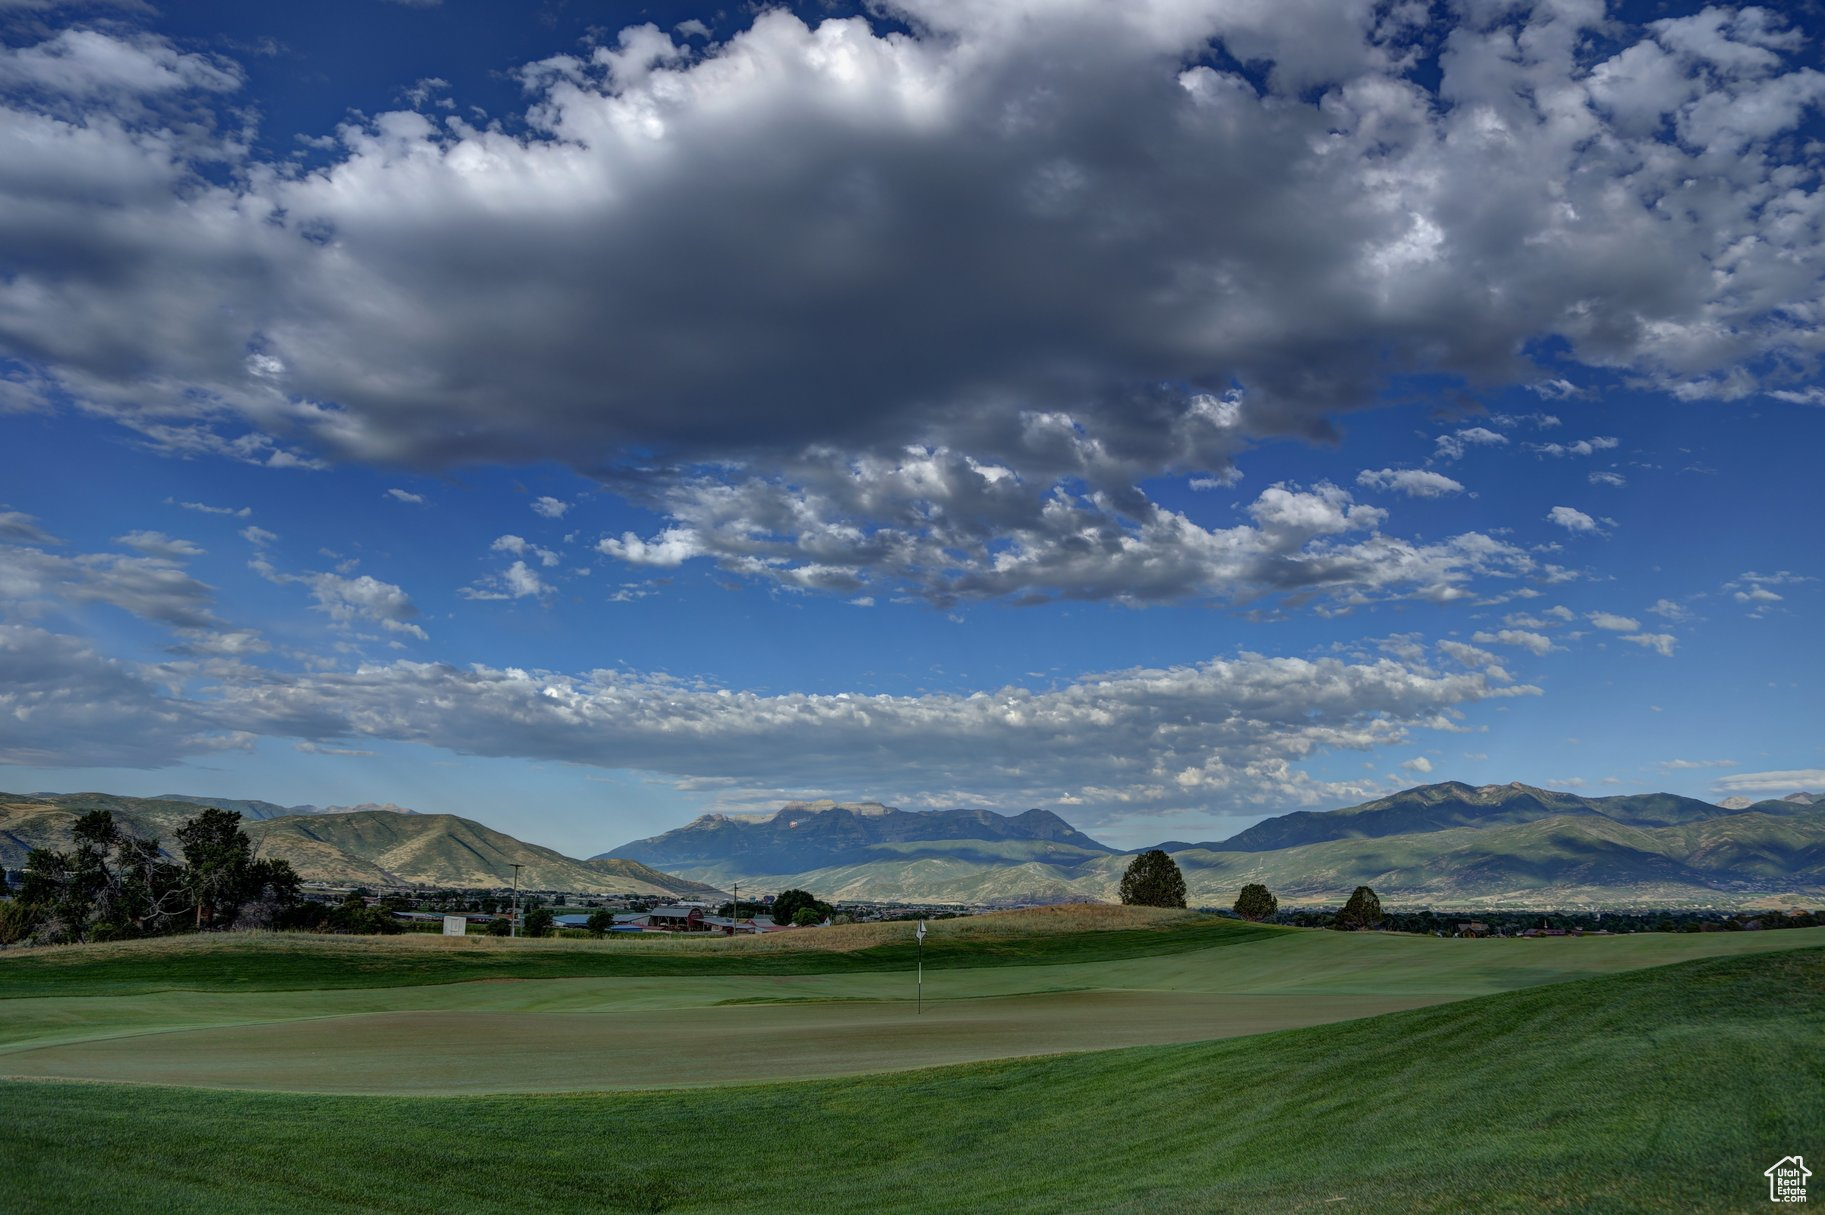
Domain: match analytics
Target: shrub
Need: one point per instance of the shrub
(788, 903)
(1256, 902)
(17, 920)
(1362, 911)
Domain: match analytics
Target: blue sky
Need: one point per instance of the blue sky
(1170, 415)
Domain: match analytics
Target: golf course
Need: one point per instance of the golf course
(1067, 1059)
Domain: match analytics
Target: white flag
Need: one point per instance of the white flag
(921, 933)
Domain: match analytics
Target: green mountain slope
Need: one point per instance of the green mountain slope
(1447, 845)
(1521, 847)
(440, 850)
(367, 847)
(1452, 804)
(246, 808)
(31, 820)
(804, 836)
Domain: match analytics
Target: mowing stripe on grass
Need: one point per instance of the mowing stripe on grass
(1668, 1089)
(484, 1052)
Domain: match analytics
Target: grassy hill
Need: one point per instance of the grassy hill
(442, 850)
(247, 808)
(1562, 860)
(1668, 1088)
(29, 821)
(806, 836)
(366, 847)
(1558, 861)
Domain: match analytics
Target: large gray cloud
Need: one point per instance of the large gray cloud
(1055, 237)
(63, 703)
(833, 234)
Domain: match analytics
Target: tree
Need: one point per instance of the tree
(17, 920)
(540, 922)
(1153, 880)
(807, 917)
(112, 884)
(60, 903)
(152, 891)
(1362, 911)
(273, 890)
(787, 904)
(1256, 902)
(600, 921)
(218, 863)
(354, 915)
(109, 885)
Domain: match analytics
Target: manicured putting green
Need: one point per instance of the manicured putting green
(491, 1052)
(1667, 1089)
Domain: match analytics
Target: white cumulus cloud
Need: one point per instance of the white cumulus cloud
(1571, 519)
(1414, 482)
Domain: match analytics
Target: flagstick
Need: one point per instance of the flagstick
(919, 1009)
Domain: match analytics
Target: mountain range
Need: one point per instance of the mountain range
(367, 847)
(265, 810)
(1446, 844)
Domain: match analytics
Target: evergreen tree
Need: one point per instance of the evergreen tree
(1362, 911)
(113, 884)
(1153, 880)
(109, 885)
(17, 920)
(218, 865)
(1256, 902)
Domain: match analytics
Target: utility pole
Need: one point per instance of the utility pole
(513, 921)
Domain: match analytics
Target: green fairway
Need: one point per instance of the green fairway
(1666, 1089)
(483, 1052)
(252, 1030)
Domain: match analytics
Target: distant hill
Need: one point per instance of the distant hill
(807, 836)
(363, 847)
(1450, 804)
(42, 820)
(370, 846)
(265, 810)
(1448, 843)
(247, 809)
(1558, 860)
